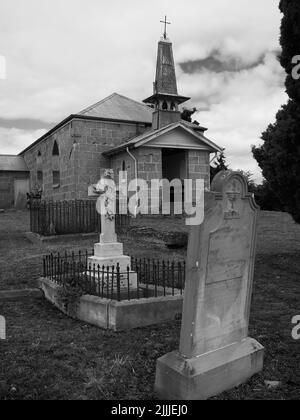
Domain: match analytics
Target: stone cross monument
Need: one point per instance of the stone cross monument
(106, 206)
(108, 252)
(215, 352)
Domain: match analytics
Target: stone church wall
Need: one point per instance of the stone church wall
(94, 138)
(80, 162)
(65, 165)
(198, 166)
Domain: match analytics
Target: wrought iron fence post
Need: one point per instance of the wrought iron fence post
(118, 283)
(128, 282)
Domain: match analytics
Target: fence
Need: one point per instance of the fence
(154, 277)
(64, 217)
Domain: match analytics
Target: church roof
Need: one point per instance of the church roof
(12, 163)
(119, 107)
(148, 136)
(116, 108)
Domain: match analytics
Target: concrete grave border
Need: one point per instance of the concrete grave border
(118, 316)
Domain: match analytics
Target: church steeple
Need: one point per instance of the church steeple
(165, 96)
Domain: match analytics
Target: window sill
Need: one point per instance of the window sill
(56, 186)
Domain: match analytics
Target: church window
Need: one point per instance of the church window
(56, 179)
(55, 166)
(39, 170)
(40, 179)
(39, 162)
(55, 150)
(165, 105)
(173, 106)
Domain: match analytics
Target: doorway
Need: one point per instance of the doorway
(21, 189)
(174, 166)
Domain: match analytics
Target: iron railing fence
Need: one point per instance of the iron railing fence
(165, 274)
(67, 217)
(154, 278)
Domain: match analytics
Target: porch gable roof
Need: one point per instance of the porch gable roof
(152, 136)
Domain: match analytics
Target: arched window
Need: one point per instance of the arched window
(165, 105)
(39, 170)
(173, 106)
(56, 179)
(55, 150)
(39, 160)
(55, 166)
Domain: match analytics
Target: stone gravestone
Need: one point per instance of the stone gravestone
(109, 252)
(215, 352)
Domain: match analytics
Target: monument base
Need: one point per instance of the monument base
(113, 249)
(209, 374)
(110, 254)
(123, 260)
(128, 280)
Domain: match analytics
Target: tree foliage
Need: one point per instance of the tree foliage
(218, 165)
(186, 115)
(279, 155)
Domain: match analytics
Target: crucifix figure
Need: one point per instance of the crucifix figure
(106, 206)
(165, 23)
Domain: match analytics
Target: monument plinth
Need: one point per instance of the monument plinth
(215, 352)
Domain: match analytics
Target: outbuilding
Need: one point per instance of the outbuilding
(14, 181)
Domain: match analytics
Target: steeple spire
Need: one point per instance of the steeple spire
(165, 95)
(165, 80)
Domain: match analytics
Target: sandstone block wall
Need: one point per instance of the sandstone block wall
(81, 144)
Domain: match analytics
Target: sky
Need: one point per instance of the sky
(62, 56)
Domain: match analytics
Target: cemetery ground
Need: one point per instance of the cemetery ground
(50, 356)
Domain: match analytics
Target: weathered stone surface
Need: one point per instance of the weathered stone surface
(109, 249)
(109, 252)
(118, 316)
(220, 266)
(208, 374)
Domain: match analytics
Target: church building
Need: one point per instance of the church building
(147, 139)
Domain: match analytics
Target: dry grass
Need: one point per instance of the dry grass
(50, 356)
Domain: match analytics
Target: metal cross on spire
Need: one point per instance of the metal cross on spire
(165, 23)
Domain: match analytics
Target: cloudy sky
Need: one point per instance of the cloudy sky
(63, 55)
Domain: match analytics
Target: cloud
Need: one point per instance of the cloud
(62, 56)
(241, 109)
(12, 138)
(215, 63)
(24, 123)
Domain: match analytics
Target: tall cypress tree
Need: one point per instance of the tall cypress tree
(279, 155)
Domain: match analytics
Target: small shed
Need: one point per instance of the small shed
(14, 181)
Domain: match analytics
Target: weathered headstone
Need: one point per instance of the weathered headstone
(215, 352)
(109, 252)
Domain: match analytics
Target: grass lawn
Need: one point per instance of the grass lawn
(50, 356)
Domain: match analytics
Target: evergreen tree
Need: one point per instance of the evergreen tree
(219, 165)
(186, 115)
(279, 155)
